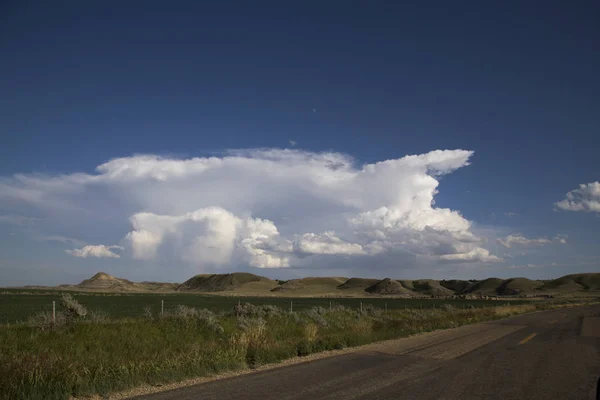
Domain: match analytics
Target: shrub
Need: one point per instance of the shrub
(45, 321)
(209, 319)
(319, 310)
(252, 311)
(316, 315)
(185, 312)
(73, 311)
(191, 315)
(99, 317)
(147, 313)
(372, 311)
(340, 308)
(271, 310)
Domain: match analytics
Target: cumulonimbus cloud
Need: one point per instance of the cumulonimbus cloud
(269, 208)
(586, 198)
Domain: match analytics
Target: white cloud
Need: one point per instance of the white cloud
(511, 214)
(518, 239)
(326, 243)
(99, 251)
(266, 208)
(208, 236)
(586, 198)
(476, 254)
(293, 143)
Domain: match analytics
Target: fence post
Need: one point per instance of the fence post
(361, 310)
(291, 307)
(162, 308)
(54, 313)
(329, 305)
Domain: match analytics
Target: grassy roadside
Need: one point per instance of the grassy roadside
(89, 354)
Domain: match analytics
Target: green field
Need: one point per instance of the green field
(18, 304)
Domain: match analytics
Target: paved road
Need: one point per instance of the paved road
(547, 355)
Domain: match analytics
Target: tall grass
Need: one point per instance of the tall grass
(85, 357)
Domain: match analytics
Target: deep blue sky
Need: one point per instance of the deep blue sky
(515, 81)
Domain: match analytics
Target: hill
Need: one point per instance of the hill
(487, 286)
(310, 285)
(431, 287)
(426, 287)
(359, 284)
(238, 281)
(456, 285)
(388, 286)
(104, 281)
(588, 281)
(517, 286)
(573, 283)
(254, 285)
(157, 286)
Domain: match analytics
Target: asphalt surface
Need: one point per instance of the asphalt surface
(546, 355)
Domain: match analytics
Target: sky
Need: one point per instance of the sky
(155, 141)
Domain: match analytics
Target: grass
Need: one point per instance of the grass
(82, 357)
(19, 305)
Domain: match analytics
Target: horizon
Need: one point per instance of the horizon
(159, 141)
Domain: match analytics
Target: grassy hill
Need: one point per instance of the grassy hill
(426, 287)
(456, 285)
(588, 281)
(431, 287)
(158, 286)
(357, 284)
(574, 283)
(104, 281)
(388, 286)
(227, 282)
(108, 283)
(310, 286)
(487, 286)
(516, 286)
(242, 283)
